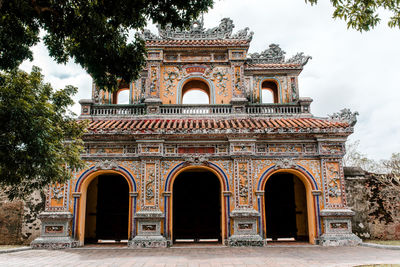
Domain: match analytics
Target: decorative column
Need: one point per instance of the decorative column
(56, 220)
(336, 215)
(152, 95)
(244, 216)
(239, 100)
(149, 218)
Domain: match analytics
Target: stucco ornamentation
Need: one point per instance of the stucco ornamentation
(153, 80)
(170, 76)
(57, 192)
(219, 76)
(106, 165)
(334, 181)
(285, 163)
(196, 160)
(150, 184)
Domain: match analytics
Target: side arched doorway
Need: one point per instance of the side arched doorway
(288, 209)
(107, 209)
(196, 202)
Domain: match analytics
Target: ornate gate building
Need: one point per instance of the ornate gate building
(249, 166)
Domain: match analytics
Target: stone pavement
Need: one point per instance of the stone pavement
(198, 257)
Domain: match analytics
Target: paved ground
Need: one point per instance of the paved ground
(211, 257)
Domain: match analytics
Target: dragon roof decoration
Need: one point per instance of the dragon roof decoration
(196, 31)
(275, 55)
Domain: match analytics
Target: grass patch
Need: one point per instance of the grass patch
(384, 242)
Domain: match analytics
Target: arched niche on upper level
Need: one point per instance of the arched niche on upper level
(123, 95)
(270, 91)
(195, 90)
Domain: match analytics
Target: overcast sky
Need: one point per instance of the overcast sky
(360, 71)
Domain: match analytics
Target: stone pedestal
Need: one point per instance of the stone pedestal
(239, 105)
(149, 230)
(153, 105)
(337, 225)
(55, 231)
(245, 232)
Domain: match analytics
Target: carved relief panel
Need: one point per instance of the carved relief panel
(286, 148)
(243, 183)
(332, 148)
(150, 149)
(238, 79)
(153, 88)
(171, 77)
(334, 184)
(150, 184)
(57, 197)
(242, 147)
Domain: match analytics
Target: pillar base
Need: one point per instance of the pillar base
(330, 240)
(245, 241)
(338, 231)
(55, 231)
(245, 232)
(149, 231)
(54, 243)
(149, 242)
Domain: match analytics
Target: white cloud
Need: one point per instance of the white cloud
(348, 69)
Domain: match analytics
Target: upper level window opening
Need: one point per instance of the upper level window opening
(195, 92)
(269, 92)
(122, 97)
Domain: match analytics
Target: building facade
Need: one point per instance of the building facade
(252, 165)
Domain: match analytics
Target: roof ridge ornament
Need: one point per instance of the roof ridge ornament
(345, 115)
(275, 55)
(197, 31)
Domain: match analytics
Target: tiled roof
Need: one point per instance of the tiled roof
(198, 42)
(183, 125)
(273, 66)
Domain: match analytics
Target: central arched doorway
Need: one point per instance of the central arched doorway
(107, 209)
(196, 207)
(286, 213)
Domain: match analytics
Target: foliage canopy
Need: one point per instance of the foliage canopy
(38, 136)
(94, 33)
(354, 158)
(362, 15)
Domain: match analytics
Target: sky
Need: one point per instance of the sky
(349, 69)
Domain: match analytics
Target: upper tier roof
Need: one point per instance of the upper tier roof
(198, 32)
(222, 36)
(197, 43)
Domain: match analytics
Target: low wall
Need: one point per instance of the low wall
(19, 224)
(375, 199)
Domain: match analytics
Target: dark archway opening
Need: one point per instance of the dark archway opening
(197, 207)
(286, 208)
(107, 209)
